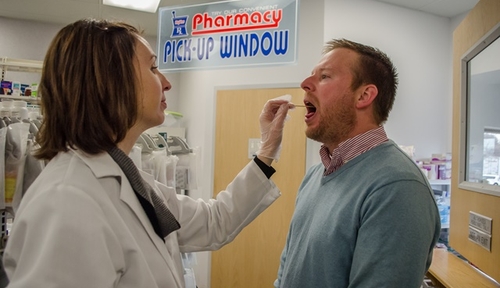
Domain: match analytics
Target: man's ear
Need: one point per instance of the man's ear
(366, 96)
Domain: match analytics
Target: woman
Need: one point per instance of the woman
(91, 219)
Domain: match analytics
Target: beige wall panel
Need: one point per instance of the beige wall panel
(477, 23)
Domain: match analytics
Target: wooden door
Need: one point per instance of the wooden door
(476, 24)
(252, 259)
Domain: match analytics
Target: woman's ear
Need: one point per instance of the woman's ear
(367, 95)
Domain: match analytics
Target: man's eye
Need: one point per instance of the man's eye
(323, 76)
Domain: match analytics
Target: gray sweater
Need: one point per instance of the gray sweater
(372, 223)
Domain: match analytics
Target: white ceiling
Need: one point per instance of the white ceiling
(446, 8)
(67, 11)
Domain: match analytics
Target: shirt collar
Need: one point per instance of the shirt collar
(350, 148)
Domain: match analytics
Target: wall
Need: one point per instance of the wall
(25, 39)
(17, 40)
(420, 45)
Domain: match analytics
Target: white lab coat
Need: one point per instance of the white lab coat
(81, 225)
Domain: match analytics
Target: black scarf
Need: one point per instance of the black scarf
(161, 218)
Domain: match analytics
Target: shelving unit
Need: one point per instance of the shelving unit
(443, 185)
(440, 182)
(19, 65)
(15, 65)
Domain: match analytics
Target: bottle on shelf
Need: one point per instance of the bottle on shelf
(19, 109)
(33, 111)
(34, 90)
(443, 203)
(5, 107)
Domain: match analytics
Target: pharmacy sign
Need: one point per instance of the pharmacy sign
(227, 34)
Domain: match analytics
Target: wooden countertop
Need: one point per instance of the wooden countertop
(451, 271)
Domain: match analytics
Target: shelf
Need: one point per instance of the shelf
(440, 182)
(24, 98)
(448, 270)
(20, 65)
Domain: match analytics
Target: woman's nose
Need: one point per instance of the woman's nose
(165, 83)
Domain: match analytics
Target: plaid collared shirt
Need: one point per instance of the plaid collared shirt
(351, 148)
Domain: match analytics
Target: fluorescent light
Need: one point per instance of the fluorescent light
(141, 5)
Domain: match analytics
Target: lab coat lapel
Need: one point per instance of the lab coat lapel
(103, 165)
(137, 208)
(128, 196)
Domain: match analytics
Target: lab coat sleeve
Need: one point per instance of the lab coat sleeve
(208, 225)
(62, 241)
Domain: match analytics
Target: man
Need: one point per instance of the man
(366, 216)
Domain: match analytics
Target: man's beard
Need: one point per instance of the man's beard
(336, 122)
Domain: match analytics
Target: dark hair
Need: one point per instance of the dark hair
(88, 88)
(373, 67)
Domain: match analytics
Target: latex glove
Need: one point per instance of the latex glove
(272, 121)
